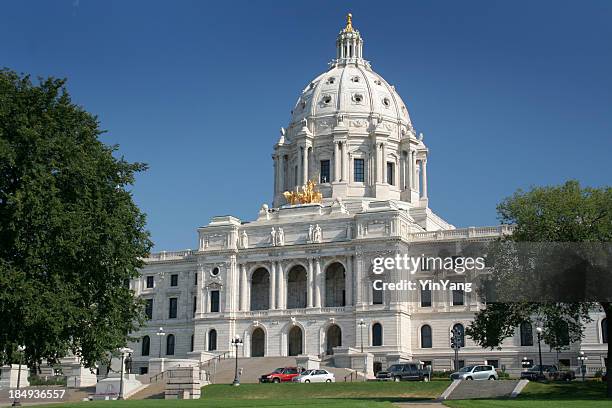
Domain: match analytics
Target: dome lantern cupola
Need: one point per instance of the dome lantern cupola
(349, 45)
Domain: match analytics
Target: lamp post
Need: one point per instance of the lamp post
(362, 324)
(456, 344)
(539, 331)
(236, 342)
(583, 360)
(123, 351)
(16, 402)
(160, 333)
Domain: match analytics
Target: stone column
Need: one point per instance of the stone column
(414, 170)
(304, 164)
(273, 286)
(317, 283)
(408, 164)
(358, 279)
(345, 162)
(276, 176)
(424, 176)
(348, 284)
(281, 174)
(280, 304)
(243, 287)
(384, 162)
(336, 162)
(309, 286)
(417, 177)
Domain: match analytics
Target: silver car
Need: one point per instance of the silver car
(475, 372)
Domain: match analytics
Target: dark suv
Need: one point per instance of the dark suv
(404, 372)
(533, 374)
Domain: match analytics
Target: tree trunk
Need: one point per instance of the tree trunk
(607, 307)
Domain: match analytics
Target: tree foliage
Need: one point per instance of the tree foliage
(558, 214)
(70, 233)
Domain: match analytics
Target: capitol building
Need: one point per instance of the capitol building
(297, 280)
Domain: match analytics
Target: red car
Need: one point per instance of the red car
(284, 374)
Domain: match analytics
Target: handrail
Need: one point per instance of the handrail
(350, 375)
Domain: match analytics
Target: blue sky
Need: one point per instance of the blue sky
(509, 94)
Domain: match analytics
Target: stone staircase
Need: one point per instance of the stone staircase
(255, 367)
(483, 389)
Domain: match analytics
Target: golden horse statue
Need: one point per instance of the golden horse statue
(307, 195)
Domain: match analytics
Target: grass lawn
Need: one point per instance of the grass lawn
(539, 395)
(337, 395)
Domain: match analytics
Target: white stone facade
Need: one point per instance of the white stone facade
(298, 280)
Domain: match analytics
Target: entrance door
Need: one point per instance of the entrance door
(334, 338)
(295, 341)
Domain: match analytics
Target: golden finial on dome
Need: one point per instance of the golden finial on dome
(349, 23)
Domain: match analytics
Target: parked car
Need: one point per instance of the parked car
(404, 372)
(309, 376)
(475, 372)
(283, 374)
(549, 372)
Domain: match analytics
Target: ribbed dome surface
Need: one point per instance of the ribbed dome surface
(353, 90)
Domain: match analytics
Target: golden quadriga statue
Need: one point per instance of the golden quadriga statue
(305, 195)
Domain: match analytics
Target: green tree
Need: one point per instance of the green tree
(71, 236)
(559, 214)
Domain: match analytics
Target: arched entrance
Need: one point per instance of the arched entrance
(258, 343)
(295, 341)
(334, 285)
(260, 289)
(334, 338)
(296, 288)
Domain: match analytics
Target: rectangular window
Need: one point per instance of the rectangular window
(377, 297)
(144, 370)
(494, 363)
(390, 175)
(324, 177)
(150, 282)
(172, 309)
(195, 305)
(149, 309)
(564, 364)
(295, 176)
(214, 301)
(358, 167)
(173, 280)
(425, 297)
(461, 364)
(195, 278)
(457, 297)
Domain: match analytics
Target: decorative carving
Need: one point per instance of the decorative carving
(358, 123)
(280, 237)
(244, 240)
(308, 195)
(314, 234)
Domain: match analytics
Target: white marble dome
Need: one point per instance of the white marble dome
(350, 87)
(353, 90)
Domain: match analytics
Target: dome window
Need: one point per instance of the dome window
(357, 98)
(331, 80)
(355, 79)
(377, 81)
(386, 102)
(303, 105)
(215, 271)
(326, 99)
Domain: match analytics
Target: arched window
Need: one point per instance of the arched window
(461, 333)
(377, 335)
(170, 345)
(526, 334)
(146, 346)
(212, 340)
(426, 336)
(377, 296)
(604, 330)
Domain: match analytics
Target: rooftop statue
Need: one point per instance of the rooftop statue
(307, 195)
